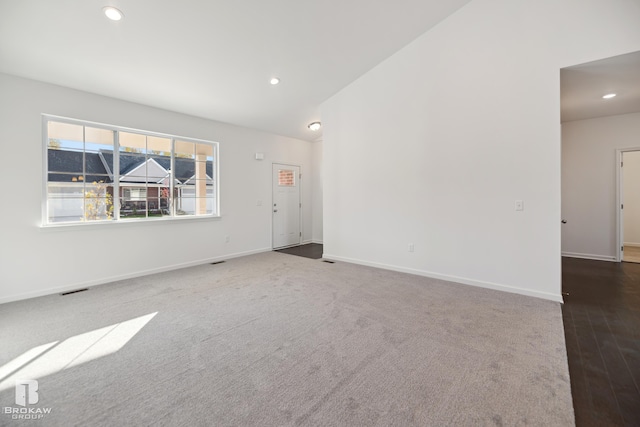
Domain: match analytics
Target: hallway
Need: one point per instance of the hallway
(601, 317)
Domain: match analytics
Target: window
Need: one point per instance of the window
(286, 178)
(105, 173)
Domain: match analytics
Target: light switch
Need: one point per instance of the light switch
(519, 205)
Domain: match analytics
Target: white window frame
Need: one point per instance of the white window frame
(46, 118)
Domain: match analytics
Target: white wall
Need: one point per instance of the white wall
(316, 191)
(36, 261)
(589, 183)
(435, 144)
(631, 193)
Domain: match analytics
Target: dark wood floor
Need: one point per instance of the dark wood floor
(601, 318)
(311, 250)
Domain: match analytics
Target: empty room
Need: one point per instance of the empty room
(291, 213)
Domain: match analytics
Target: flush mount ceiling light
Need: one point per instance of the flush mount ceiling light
(274, 81)
(314, 126)
(609, 96)
(112, 13)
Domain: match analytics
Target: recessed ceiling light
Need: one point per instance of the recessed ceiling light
(609, 95)
(314, 126)
(274, 81)
(113, 13)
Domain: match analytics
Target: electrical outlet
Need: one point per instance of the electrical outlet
(227, 239)
(519, 205)
(411, 247)
(259, 203)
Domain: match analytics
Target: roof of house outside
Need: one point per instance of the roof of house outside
(66, 166)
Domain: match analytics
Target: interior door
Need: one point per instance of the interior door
(630, 206)
(286, 205)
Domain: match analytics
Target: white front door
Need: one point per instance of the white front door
(286, 205)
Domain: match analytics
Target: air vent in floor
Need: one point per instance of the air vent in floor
(328, 262)
(217, 262)
(74, 292)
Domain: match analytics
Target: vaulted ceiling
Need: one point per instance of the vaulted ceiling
(213, 58)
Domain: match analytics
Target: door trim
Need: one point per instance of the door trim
(619, 200)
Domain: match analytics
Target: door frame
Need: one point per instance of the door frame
(299, 196)
(619, 200)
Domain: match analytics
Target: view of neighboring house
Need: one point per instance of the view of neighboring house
(81, 185)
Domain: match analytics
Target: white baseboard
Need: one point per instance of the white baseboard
(462, 280)
(306, 242)
(110, 279)
(633, 245)
(590, 256)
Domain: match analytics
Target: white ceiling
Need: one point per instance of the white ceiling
(213, 58)
(582, 88)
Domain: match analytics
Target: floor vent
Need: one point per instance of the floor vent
(329, 262)
(74, 292)
(217, 262)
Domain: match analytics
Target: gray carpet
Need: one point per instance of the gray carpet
(274, 339)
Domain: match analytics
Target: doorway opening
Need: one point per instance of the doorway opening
(629, 205)
(600, 114)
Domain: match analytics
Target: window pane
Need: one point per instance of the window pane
(65, 209)
(130, 209)
(98, 209)
(157, 145)
(65, 190)
(286, 178)
(65, 131)
(159, 150)
(98, 137)
(185, 149)
(204, 151)
(132, 142)
(54, 178)
(185, 169)
(98, 153)
(155, 203)
(97, 189)
(63, 160)
(65, 149)
(135, 194)
(186, 201)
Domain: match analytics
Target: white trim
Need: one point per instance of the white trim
(633, 245)
(48, 117)
(590, 256)
(619, 200)
(45, 171)
(307, 241)
(107, 280)
(70, 226)
(461, 280)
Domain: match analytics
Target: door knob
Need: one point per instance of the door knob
(564, 221)
(275, 210)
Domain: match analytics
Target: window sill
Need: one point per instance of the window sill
(125, 223)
